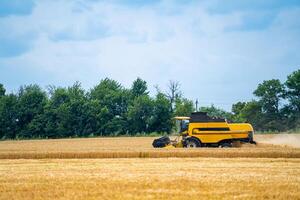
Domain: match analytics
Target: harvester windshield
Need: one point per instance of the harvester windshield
(182, 123)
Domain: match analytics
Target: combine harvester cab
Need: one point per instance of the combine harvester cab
(200, 130)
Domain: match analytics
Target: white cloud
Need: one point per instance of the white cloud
(89, 41)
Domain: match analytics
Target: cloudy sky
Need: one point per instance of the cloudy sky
(219, 50)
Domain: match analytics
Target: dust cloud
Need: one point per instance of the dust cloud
(292, 140)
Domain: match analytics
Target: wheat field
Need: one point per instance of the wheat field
(139, 147)
(130, 168)
(150, 178)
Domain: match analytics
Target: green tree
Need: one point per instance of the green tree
(2, 90)
(252, 113)
(139, 87)
(54, 116)
(184, 107)
(237, 109)
(162, 115)
(270, 93)
(293, 91)
(111, 94)
(8, 116)
(114, 99)
(140, 114)
(292, 110)
(96, 117)
(67, 113)
(31, 102)
(217, 112)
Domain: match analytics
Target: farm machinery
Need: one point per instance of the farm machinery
(201, 130)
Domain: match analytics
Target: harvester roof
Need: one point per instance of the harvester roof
(203, 117)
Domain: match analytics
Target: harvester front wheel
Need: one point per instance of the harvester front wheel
(192, 143)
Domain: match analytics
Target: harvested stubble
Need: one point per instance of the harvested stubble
(153, 178)
(130, 148)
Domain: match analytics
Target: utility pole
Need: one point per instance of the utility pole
(196, 105)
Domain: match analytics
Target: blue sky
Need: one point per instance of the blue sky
(219, 50)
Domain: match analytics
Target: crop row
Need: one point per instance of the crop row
(161, 153)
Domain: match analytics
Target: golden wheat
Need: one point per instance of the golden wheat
(162, 153)
(136, 147)
(31, 170)
(153, 178)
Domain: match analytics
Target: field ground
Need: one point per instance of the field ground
(270, 170)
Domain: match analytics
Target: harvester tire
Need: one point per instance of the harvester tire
(192, 143)
(226, 145)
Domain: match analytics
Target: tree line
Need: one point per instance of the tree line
(276, 106)
(109, 109)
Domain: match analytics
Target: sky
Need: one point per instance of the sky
(219, 50)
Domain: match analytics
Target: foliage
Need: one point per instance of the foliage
(184, 107)
(139, 87)
(66, 113)
(237, 109)
(8, 116)
(109, 109)
(140, 113)
(252, 113)
(30, 106)
(217, 112)
(292, 110)
(270, 93)
(268, 113)
(293, 85)
(162, 114)
(2, 90)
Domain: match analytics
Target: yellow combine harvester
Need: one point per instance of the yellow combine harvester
(200, 130)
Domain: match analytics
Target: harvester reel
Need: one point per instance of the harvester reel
(161, 142)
